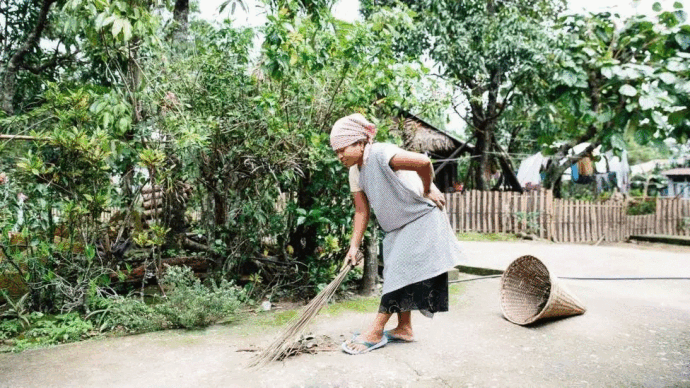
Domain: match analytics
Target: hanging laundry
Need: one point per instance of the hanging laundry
(585, 166)
(574, 172)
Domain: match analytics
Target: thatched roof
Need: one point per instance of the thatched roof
(677, 172)
(419, 136)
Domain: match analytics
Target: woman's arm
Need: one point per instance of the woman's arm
(421, 164)
(361, 220)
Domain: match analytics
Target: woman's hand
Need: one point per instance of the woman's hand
(435, 195)
(353, 257)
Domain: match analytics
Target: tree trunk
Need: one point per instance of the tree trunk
(371, 263)
(304, 239)
(555, 170)
(133, 82)
(181, 17)
(482, 174)
(9, 81)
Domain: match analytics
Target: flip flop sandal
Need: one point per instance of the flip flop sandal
(369, 345)
(395, 338)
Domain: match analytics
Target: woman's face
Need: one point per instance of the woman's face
(351, 155)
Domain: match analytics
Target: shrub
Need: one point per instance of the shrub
(187, 304)
(190, 304)
(642, 207)
(10, 328)
(63, 328)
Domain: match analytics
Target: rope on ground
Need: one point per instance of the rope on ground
(581, 278)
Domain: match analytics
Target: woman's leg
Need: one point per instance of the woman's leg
(404, 328)
(374, 333)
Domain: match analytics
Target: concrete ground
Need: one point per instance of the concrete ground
(634, 334)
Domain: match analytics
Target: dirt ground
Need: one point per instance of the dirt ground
(634, 334)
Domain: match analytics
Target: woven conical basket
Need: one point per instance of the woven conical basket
(529, 293)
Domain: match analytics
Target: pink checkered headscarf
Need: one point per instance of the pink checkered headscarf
(352, 129)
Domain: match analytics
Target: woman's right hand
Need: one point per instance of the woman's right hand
(352, 257)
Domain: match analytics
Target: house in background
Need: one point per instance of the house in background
(445, 148)
(418, 135)
(678, 183)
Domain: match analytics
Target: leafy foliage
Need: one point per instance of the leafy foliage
(615, 81)
(187, 304)
(497, 58)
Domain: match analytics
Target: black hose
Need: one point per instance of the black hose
(579, 278)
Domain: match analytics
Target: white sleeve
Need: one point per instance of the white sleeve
(354, 179)
(389, 152)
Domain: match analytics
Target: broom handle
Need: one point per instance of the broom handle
(347, 263)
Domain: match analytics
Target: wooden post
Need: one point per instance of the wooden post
(495, 205)
(549, 215)
(473, 210)
(578, 220)
(461, 211)
(657, 217)
(485, 211)
(504, 211)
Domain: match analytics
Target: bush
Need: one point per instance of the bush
(642, 207)
(64, 328)
(10, 328)
(188, 304)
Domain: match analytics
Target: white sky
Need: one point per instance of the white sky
(348, 10)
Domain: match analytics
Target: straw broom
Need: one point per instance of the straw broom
(279, 348)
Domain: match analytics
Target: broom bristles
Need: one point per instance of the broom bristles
(281, 345)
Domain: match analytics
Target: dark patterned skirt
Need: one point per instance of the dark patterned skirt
(428, 296)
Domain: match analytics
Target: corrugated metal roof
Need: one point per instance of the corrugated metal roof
(677, 171)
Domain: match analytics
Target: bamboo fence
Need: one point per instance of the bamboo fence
(540, 214)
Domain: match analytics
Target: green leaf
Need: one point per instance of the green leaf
(627, 90)
(642, 136)
(107, 118)
(300, 220)
(683, 40)
(656, 7)
(127, 30)
(607, 72)
(668, 78)
(617, 142)
(677, 5)
(647, 102)
(605, 117)
(123, 124)
(117, 27)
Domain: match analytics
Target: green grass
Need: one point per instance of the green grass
(278, 318)
(476, 236)
(360, 305)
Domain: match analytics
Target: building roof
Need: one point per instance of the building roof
(677, 172)
(420, 135)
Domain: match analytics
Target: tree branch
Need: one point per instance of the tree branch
(7, 88)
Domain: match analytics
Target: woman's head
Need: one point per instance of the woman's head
(350, 138)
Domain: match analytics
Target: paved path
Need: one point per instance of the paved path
(634, 334)
(579, 260)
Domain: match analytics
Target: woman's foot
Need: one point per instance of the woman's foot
(363, 343)
(400, 334)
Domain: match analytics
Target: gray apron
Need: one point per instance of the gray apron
(419, 243)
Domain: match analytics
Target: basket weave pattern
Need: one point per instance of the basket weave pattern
(529, 293)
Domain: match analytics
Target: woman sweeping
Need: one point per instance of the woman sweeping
(419, 246)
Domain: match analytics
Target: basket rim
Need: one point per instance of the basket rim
(548, 301)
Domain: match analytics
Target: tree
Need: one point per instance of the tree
(22, 59)
(633, 79)
(491, 53)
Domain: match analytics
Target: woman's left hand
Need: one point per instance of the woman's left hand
(435, 195)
